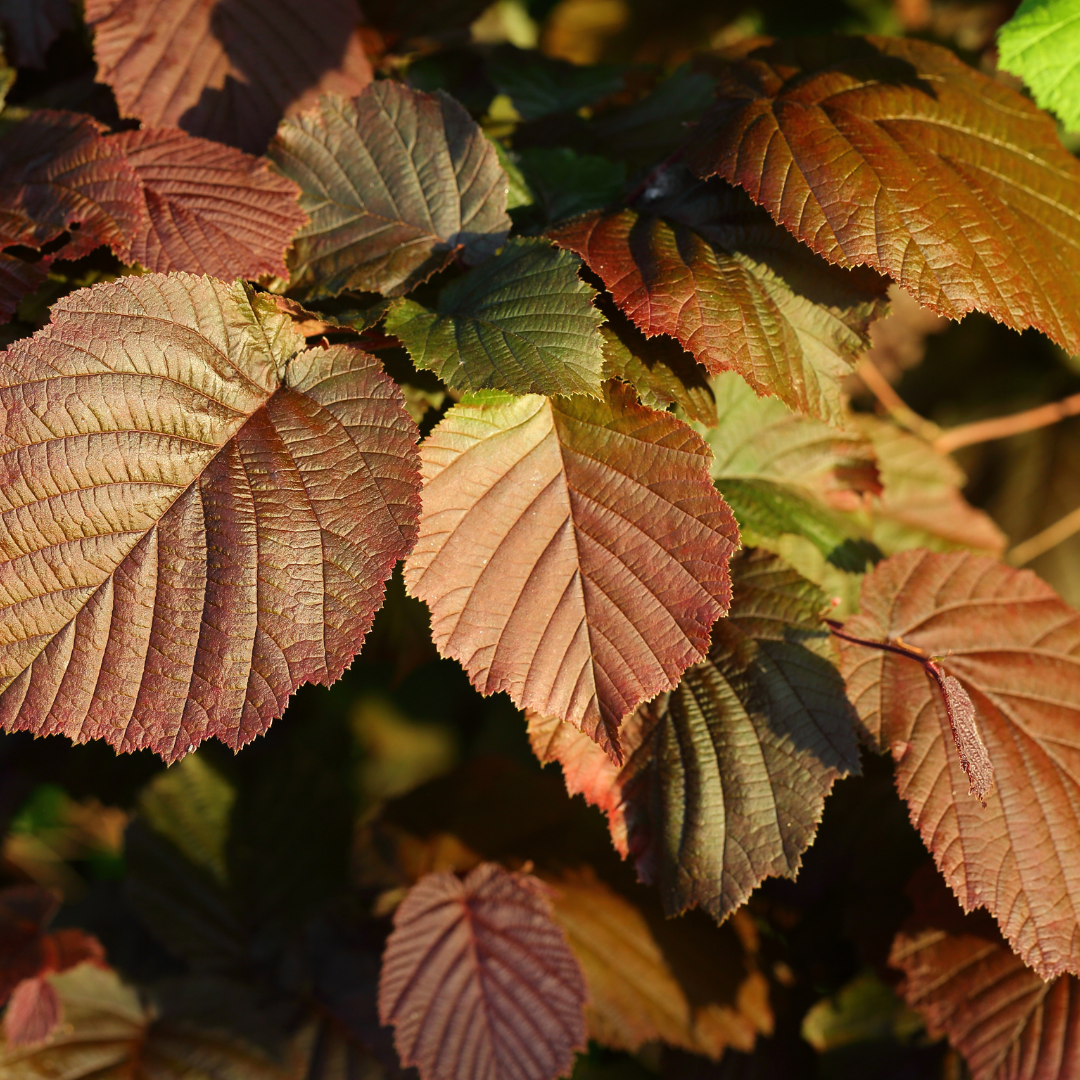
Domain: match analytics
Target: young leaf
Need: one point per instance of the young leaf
(394, 183)
(224, 70)
(478, 980)
(1012, 644)
(1040, 43)
(210, 209)
(573, 552)
(33, 1013)
(699, 262)
(893, 153)
(523, 321)
(197, 518)
(539, 85)
(59, 175)
(30, 27)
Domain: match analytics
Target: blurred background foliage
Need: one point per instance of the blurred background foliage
(253, 890)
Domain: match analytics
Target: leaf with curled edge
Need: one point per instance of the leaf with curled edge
(726, 776)
(394, 183)
(227, 70)
(198, 515)
(522, 321)
(59, 175)
(968, 985)
(699, 262)
(894, 154)
(1013, 645)
(31, 26)
(211, 209)
(573, 552)
(479, 981)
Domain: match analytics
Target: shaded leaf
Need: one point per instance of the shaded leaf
(523, 321)
(539, 85)
(699, 262)
(573, 553)
(863, 1009)
(659, 369)
(478, 980)
(394, 182)
(223, 69)
(31, 26)
(17, 279)
(1012, 644)
(58, 174)
(893, 153)
(210, 209)
(1040, 43)
(433, 18)
(566, 184)
(198, 515)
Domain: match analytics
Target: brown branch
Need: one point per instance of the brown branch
(1034, 546)
(1002, 427)
(893, 404)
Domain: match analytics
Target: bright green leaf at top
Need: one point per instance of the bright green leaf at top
(523, 321)
(1041, 44)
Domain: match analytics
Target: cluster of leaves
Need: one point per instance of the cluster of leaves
(561, 345)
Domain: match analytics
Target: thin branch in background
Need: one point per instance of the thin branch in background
(1042, 542)
(893, 404)
(1003, 426)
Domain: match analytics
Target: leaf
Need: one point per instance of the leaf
(31, 26)
(892, 153)
(969, 985)
(109, 1035)
(1040, 44)
(210, 209)
(523, 321)
(394, 182)
(660, 370)
(566, 184)
(699, 262)
(225, 70)
(17, 278)
(433, 18)
(864, 1009)
(198, 516)
(572, 552)
(784, 473)
(539, 85)
(33, 1013)
(478, 980)
(1011, 643)
(57, 175)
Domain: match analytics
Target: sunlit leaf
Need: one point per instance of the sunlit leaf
(394, 182)
(200, 527)
(478, 980)
(1012, 643)
(699, 262)
(523, 321)
(892, 153)
(1040, 43)
(33, 1012)
(573, 552)
(210, 209)
(31, 26)
(225, 70)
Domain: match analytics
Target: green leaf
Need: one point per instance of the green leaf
(567, 184)
(539, 85)
(524, 322)
(1041, 44)
(518, 193)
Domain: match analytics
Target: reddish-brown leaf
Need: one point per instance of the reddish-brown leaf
(198, 515)
(1014, 646)
(25, 910)
(31, 26)
(226, 69)
(893, 153)
(32, 1013)
(699, 262)
(969, 985)
(479, 981)
(573, 552)
(58, 174)
(211, 209)
(17, 278)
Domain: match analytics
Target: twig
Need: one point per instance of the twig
(1003, 426)
(893, 404)
(1034, 546)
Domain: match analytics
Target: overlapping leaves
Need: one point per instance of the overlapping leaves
(572, 552)
(892, 153)
(198, 515)
(1013, 645)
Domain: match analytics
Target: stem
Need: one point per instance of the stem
(1002, 427)
(837, 629)
(893, 404)
(1043, 541)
